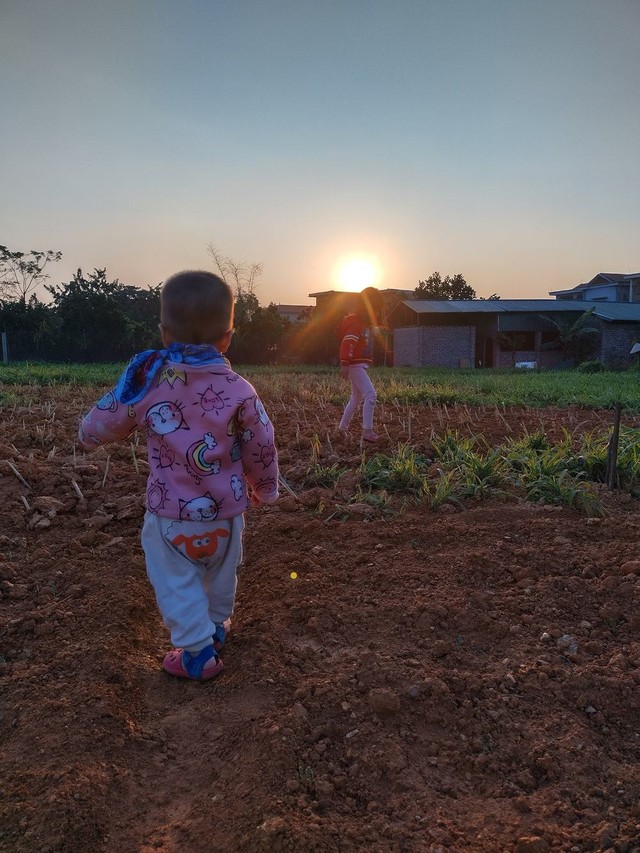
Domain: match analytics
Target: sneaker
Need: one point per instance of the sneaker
(370, 435)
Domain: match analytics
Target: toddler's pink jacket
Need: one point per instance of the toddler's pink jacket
(208, 437)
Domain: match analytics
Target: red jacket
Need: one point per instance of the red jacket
(355, 341)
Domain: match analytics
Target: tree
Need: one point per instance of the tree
(450, 287)
(575, 338)
(31, 328)
(94, 325)
(240, 276)
(142, 307)
(246, 308)
(21, 273)
(259, 331)
(262, 337)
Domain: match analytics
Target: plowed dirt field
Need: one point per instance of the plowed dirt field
(460, 680)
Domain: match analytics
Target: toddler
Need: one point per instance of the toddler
(211, 452)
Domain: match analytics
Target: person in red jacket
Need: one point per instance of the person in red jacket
(356, 335)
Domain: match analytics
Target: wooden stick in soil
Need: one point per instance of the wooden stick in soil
(612, 452)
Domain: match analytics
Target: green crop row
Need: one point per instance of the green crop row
(456, 469)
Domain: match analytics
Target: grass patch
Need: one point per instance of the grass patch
(324, 475)
(401, 472)
(404, 386)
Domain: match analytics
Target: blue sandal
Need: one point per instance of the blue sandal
(201, 667)
(221, 633)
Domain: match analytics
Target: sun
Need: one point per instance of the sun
(358, 272)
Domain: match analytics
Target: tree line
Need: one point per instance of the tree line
(94, 319)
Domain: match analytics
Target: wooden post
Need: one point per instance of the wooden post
(612, 454)
(5, 349)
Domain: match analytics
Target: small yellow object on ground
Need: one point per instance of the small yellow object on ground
(294, 575)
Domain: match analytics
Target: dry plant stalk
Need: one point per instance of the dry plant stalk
(18, 474)
(135, 459)
(76, 489)
(503, 419)
(106, 471)
(287, 487)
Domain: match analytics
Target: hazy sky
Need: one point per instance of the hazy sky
(496, 138)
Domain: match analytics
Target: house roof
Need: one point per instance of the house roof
(611, 311)
(354, 293)
(600, 278)
(607, 276)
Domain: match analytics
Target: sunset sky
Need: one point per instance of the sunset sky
(495, 138)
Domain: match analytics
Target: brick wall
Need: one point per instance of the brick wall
(448, 346)
(434, 346)
(407, 348)
(616, 344)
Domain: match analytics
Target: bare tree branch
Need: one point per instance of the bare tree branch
(239, 275)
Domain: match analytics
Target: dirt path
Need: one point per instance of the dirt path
(429, 681)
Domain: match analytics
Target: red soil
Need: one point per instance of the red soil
(450, 681)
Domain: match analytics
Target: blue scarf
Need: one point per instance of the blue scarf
(137, 377)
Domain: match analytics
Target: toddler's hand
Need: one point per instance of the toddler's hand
(344, 371)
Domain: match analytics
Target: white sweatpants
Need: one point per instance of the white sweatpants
(192, 568)
(362, 391)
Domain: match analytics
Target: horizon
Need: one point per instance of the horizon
(337, 147)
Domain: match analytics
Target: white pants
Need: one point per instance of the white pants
(192, 568)
(362, 391)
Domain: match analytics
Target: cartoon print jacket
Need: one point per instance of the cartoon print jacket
(208, 436)
(355, 341)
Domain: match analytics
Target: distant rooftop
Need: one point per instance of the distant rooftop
(605, 310)
(600, 278)
(354, 292)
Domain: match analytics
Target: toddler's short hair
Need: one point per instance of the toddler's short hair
(196, 307)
